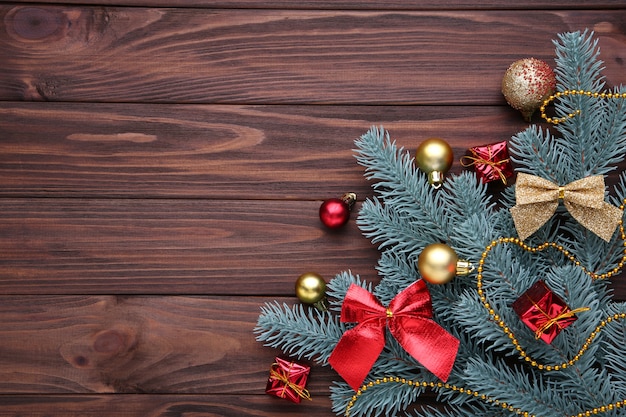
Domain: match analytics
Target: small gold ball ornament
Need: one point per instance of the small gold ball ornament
(439, 263)
(311, 289)
(434, 156)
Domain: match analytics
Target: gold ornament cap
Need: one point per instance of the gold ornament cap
(349, 199)
(434, 156)
(438, 264)
(311, 289)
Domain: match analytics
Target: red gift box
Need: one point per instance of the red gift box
(491, 162)
(288, 380)
(544, 312)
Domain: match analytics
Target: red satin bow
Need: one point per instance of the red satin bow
(409, 320)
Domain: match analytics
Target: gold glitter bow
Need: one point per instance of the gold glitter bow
(538, 198)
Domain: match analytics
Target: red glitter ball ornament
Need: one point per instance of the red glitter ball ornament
(335, 212)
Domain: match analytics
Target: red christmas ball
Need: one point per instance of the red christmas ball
(334, 213)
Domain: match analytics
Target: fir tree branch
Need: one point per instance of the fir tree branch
(613, 342)
(385, 226)
(577, 63)
(517, 388)
(408, 214)
(379, 400)
(610, 135)
(396, 273)
(464, 195)
(589, 143)
(299, 330)
(454, 410)
(536, 153)
(338, 287)
(399, 184)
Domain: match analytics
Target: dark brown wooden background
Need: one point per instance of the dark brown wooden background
(162, 164)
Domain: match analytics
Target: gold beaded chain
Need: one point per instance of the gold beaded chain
(556, 121)
(498, 320)
(470, 393)
(533, 249)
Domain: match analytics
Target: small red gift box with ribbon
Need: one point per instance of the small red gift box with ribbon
(288, 380)
(491, 162)
(544, 312)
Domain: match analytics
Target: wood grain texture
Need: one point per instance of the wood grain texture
(77, 246)
(402, 5)
(137, 246)
(116, 54)
(162, 164)
(109, 344)
(231, 152)
(161, 405)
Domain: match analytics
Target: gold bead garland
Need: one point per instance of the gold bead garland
(533, 249)
(470, 393)
(558, 95)
(498, 320)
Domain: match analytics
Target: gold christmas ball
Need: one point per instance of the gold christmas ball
(310, 288)
(526, 84)
(434, 156)
(437, 263)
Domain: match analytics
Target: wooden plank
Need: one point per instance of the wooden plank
(402, 5)
(145, 345)
(117, 54)
(76, 246)
(215, 152)
(151, 345)
(162, 405)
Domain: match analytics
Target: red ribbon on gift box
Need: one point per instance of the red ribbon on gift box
(409, 319)
(287, 380)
